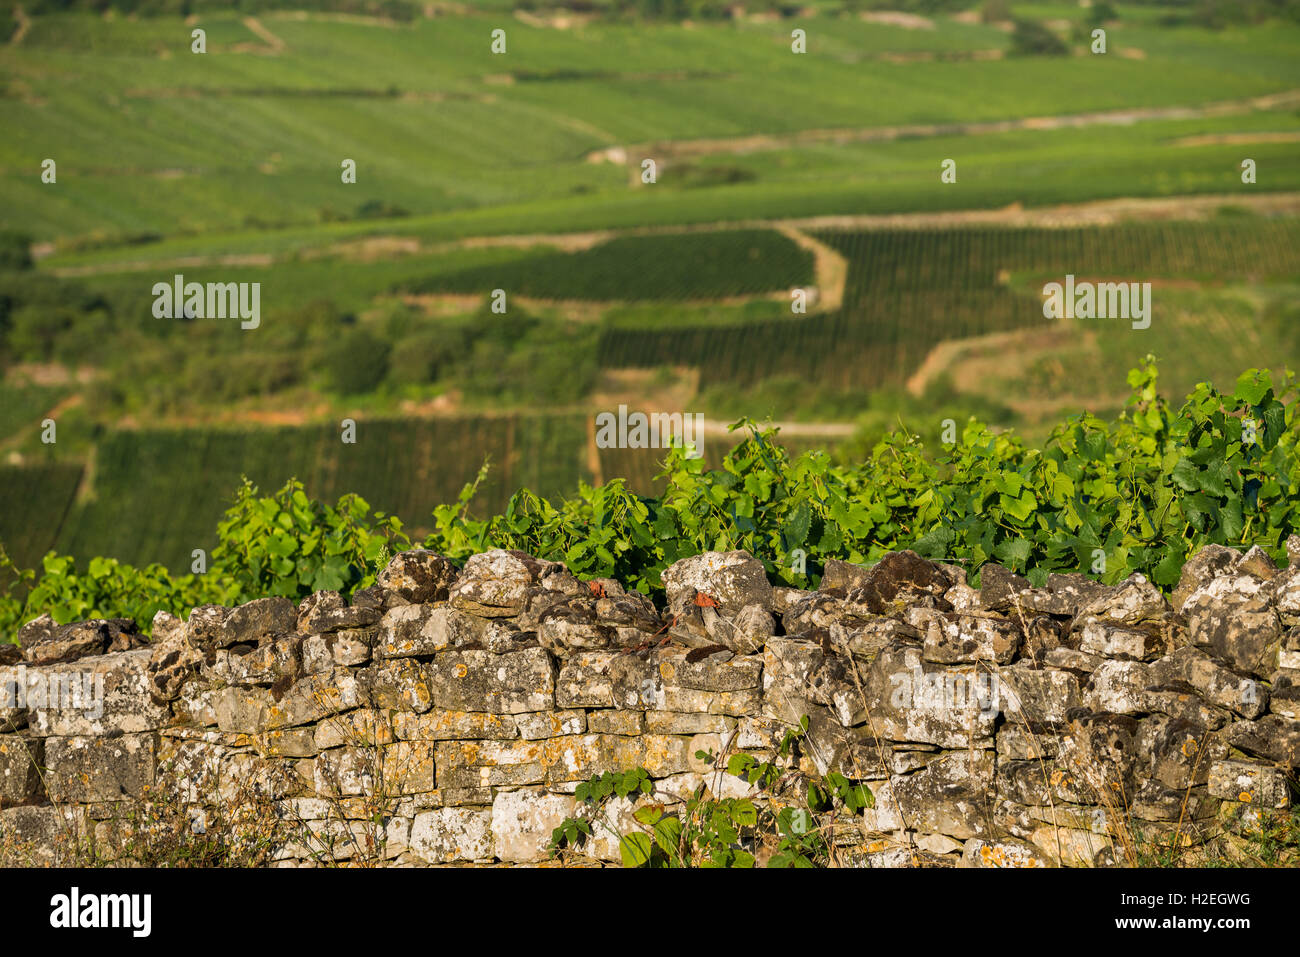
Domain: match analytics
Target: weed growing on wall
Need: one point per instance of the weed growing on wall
(783, 817)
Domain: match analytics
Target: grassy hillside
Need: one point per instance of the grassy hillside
(251, 134)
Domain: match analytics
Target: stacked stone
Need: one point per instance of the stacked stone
(446, 716)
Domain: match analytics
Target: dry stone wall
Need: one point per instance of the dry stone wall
(446, 715)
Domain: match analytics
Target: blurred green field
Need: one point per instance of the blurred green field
(1034, 168)
(37, 501)
(157, 495)
(1197, 334)
(22, 406)
(151, 139)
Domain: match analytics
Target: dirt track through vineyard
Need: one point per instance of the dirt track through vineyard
(273, 43)
(24, 24)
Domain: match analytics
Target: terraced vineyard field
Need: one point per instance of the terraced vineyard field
(909, 291)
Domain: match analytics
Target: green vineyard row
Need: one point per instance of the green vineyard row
(909, 290)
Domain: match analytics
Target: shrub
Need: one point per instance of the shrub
(15, 251)
(356, 362)
(1031, 38)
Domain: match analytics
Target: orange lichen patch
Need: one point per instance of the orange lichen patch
(1001, 857)
(1061, 777)
(1245, 797)
(461, 670)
